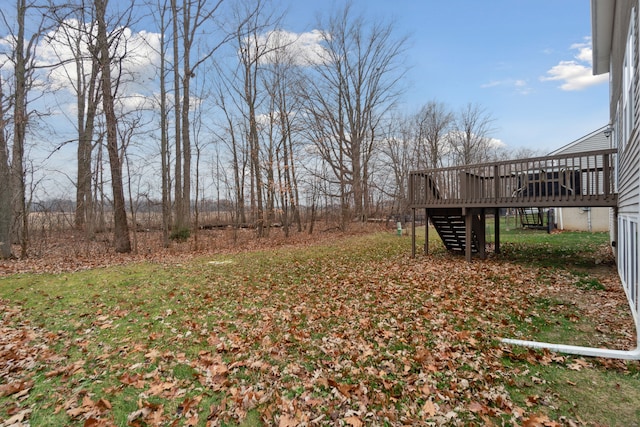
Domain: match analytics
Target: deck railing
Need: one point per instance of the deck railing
(577, 179)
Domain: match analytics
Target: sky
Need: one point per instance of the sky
(527, 62)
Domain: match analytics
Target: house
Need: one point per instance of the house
(585, 218)
(616, 40)
(615, 51)
(456, 199)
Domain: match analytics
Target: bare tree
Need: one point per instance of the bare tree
(164, 127)
(230, 135)
(280, 81)
(181, 221)
(163, 11)
(397, 157)
(197, 19)
(471, 140)
(122, 242)
(22, 56)
(98, 178)
(522, 153)
(131, 125)
(5, 177)
(416, 141)
(22, 82)
(433, 123)
(75, 34)
(351, 89)
(252, 44)
(250, 50)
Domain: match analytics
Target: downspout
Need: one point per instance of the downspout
(560, 219)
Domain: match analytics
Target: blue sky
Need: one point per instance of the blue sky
(500, 54)
(497, 53)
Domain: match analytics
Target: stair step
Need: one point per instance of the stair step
(451, 228)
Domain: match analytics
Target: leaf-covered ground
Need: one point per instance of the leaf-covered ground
(352, 332)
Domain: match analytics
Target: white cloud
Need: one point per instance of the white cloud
(135, 102)
(585, 54)
(6, 45)
(493, 83)
(141, 53)
(496, 143)
(518, 85)
(300, 49)
(576, 74)
(139, 50)
(309, 46)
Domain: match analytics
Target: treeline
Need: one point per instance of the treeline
(181, 101)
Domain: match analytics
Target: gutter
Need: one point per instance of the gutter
(602, 19)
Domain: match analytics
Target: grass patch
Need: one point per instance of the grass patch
(340, 333)
(557, 249)
(581, 391)
(587, 283)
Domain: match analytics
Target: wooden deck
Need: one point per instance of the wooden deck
(583, 179)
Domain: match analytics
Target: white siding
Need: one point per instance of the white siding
(592, 142)
(625, 92)
(627, 141)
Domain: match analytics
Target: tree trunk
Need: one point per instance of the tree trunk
(270, 190)
(164, 141)
(186, 127)
(178, 199)
(87, 97)
(5, 190)
(254, 147)
(121, 228)
(238, 180)
(19, 135)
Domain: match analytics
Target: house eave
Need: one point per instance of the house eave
(602, 15)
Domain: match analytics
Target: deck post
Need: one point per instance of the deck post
(468, 223)
(426, 231)
(496, 183)
(606, 175)
(496, 229)
(413, 232)
(482, 235)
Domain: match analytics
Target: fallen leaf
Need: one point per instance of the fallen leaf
(17, 419)
(537, 421)
(429, 409)
(354, 421)
(93, 422)
(345, 389)
(287, 421)
(478, 408)
(14, 387)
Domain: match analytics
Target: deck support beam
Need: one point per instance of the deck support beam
(496, 228)
(481, 232)
(426, 231)
(468, 226)
(413, 232)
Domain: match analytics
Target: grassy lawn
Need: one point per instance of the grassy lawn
(354, 332)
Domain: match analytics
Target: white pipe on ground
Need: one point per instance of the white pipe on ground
(588, 351)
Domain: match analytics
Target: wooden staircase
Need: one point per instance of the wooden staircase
(450, 225)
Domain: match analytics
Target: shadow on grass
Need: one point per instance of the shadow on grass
(567, 250)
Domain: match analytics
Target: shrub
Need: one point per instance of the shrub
(180, 235)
